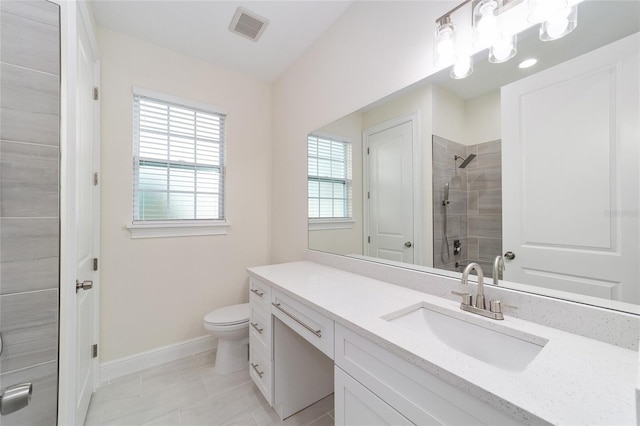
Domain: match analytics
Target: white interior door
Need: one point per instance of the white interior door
(87, 217)
(570, 175)
(390, 191)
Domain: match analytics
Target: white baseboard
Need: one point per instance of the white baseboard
(134, 363)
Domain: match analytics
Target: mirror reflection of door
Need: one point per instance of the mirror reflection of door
(571, 185)
(389, 190)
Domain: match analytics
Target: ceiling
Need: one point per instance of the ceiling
(201, 29)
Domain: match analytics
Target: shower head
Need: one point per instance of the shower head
(465, 161)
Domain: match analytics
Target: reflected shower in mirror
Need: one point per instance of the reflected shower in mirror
(539, 162)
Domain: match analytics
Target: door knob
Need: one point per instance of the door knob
(408, 244)
(85, 285)
(15, 398)
(510, 255)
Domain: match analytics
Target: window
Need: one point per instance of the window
(329, 179)
(178, 161)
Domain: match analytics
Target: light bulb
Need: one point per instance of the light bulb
(463, 68)
(559, 24)
(557, 27)
(487, 25)
(542, 10)
(503, 49)
(444, 45)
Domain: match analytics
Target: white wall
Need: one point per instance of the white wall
(345, 241)
(372, 50)
(483, 119)
(155, 292)
(449, 115)
(468, 122)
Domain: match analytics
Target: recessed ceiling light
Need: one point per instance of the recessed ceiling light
(528, 63)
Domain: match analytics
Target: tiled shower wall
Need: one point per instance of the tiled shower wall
(29, 204)
(474, 212)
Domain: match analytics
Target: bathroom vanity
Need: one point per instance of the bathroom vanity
(394, 355)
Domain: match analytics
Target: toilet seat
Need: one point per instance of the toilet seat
(228, 316)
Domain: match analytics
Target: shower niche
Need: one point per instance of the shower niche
(467, 204)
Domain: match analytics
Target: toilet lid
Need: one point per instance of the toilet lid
(229, 315)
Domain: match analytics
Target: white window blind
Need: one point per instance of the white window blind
(178, 161)
(329, 177)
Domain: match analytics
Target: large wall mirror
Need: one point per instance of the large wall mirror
(537, 165)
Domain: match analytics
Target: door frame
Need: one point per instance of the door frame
(71, 15)
(416, 174)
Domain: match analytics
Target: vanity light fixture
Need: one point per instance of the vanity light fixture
(462, 68)
(485, 23)
(444, 40)
(557, 17)
(495, 27)
(503, 49)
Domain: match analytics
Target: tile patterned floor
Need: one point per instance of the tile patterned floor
(187, 392)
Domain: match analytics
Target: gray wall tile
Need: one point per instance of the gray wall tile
(29, 327)
(28, 180)
(37, 10)
(490, 201)
(29, 34)
(28, 254)
(489, 248)
(440, 150)
(42, 410)
(29, 186)
(485, 226)
(484, 178)
(489, 147)
(29, 106)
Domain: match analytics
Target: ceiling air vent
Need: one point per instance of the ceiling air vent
(248, 24)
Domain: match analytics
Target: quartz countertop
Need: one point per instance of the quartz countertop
(573, 380)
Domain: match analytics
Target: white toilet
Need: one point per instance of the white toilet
(230, 325)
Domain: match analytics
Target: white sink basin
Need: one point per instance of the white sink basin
(490, 346)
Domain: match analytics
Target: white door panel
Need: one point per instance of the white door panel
(391, 210)
(86, 223)
(570, 172)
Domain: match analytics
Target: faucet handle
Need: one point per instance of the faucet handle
(496, 306)
(466, 297)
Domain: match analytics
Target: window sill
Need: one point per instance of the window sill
(167, 229)
(326, 224)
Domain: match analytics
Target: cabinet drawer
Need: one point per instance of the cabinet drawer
(420, 396)
(260, 328)
(261, 371)
(312, 326)
(260, 294)
(357, 405)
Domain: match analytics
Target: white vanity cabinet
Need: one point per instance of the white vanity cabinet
(290, 350)
(379, 383)
(260, 340)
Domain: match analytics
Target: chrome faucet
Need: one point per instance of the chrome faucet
(465, 280)
(498, 266)
(495, 307)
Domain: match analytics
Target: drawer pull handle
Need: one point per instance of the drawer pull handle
(255, 325)
(259, 293)
(316, 332)
(255, 367)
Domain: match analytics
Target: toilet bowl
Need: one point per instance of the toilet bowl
(230, 325)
